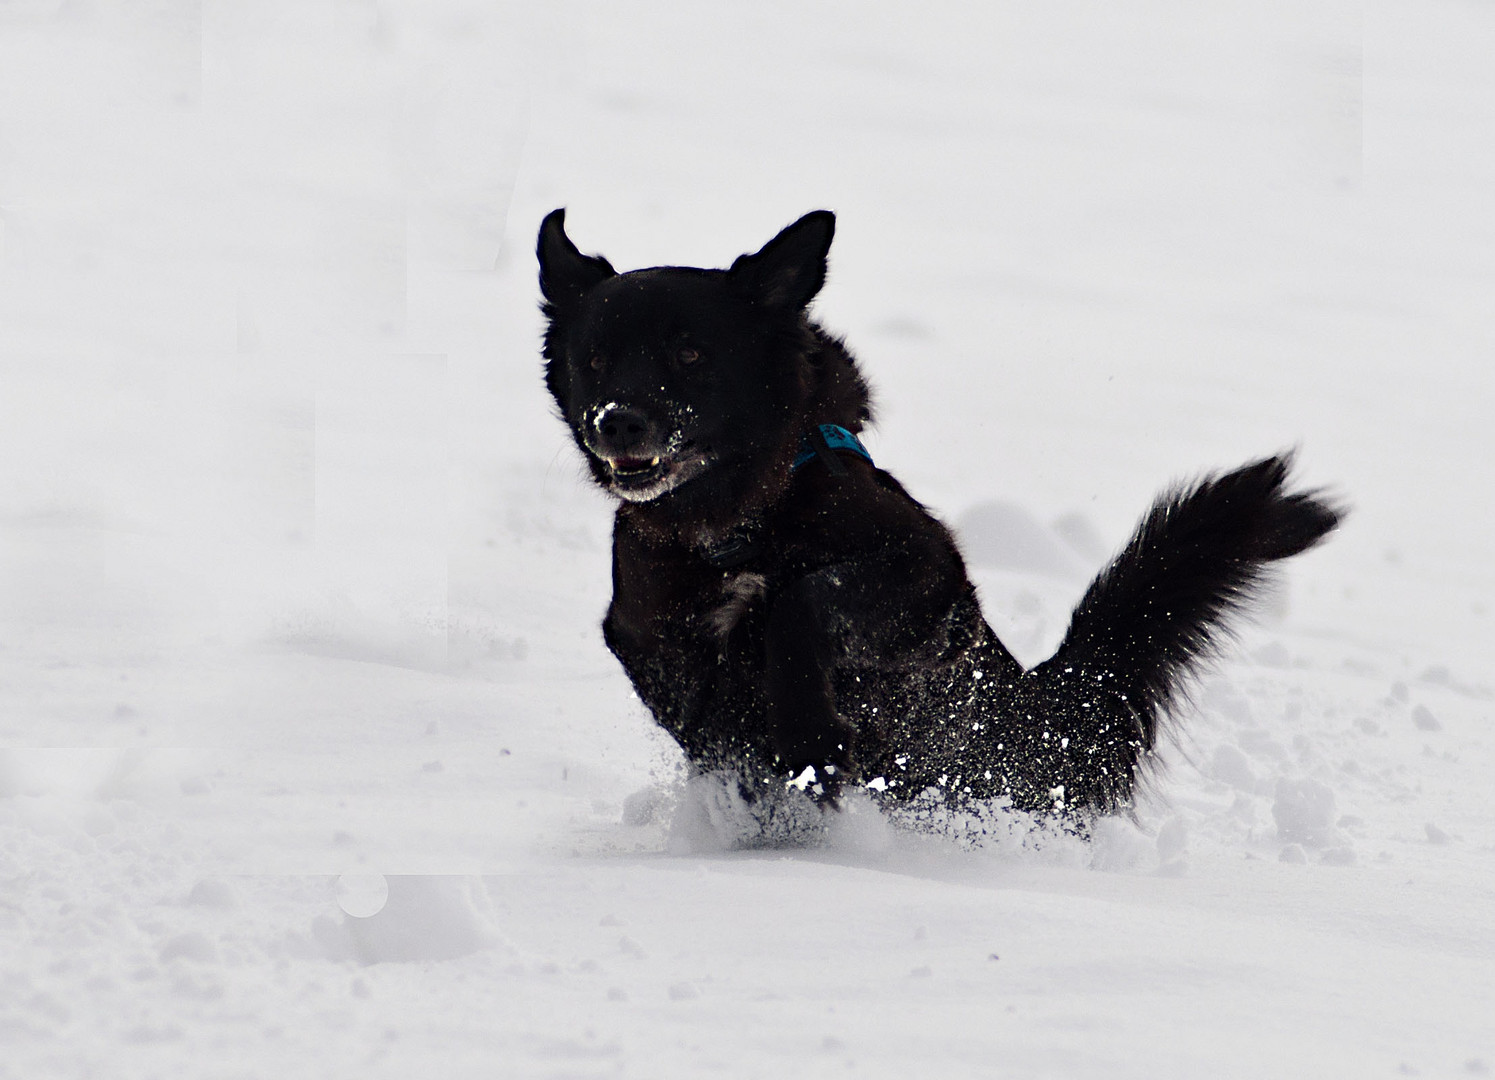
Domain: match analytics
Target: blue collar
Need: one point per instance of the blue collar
(822, 439)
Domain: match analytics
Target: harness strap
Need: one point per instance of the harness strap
(822, 439)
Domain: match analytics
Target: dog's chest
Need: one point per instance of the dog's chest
(738, 594)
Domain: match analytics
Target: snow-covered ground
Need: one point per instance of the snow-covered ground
(314, 762)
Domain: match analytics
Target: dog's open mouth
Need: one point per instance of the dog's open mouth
(640, 479)
(633, 473)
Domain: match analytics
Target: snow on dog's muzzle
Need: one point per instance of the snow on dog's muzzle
(644, 456)
(619, 432)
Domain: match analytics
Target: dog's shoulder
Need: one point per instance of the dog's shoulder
(864, 510)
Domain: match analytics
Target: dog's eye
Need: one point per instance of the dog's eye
(687, 356)
(597, 361)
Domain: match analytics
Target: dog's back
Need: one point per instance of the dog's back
(1070, 732)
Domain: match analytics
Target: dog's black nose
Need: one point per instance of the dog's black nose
(621, 429)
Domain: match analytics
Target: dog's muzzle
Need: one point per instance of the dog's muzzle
(621, 431)
(642, 460)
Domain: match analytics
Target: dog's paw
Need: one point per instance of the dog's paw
(822, 783)
(819, 763)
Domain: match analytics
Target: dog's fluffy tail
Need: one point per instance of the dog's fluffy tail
(1164, 604)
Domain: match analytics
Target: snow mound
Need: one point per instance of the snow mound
(1004, 536)
(723, 811)
(1304, 812)
(423, 917)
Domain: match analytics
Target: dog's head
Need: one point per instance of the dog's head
(666, 374)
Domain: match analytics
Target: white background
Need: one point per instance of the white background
(300, 582)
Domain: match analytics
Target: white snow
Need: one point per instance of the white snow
(312, 761)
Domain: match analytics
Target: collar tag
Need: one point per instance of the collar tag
(736, 549)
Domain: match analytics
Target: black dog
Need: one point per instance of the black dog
(787, 610)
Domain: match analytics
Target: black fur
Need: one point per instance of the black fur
(777, 620)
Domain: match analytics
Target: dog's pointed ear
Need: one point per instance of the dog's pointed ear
(565, 273)
(790, 269)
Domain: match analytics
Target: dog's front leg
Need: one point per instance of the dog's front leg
(904, 610)
(803, 639)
